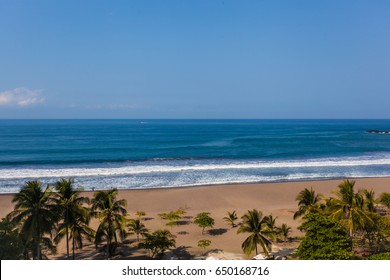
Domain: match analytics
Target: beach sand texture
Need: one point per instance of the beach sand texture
(277, 199)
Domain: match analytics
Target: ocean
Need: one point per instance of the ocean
(138, 154)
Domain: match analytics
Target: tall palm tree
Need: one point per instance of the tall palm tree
(137, 227)
(254, 223)
(112, 216)
(71, 205)
(36, 214)
(348, 207)
(308, 201)
(79, 229)
(231, 217)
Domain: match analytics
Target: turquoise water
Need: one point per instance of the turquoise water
(164, 153)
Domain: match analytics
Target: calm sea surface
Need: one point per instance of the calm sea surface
(102, 154)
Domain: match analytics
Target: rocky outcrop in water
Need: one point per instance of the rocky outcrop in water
(379, 131)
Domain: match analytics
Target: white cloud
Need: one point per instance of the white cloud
(21, 97)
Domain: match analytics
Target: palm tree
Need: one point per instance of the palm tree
(271, 223)
(79, 229)
(255, 224)
(112, 216)
(348, 207)
(231, 217)
(308, 201)
(137, 227)
(284, 231)
(370, 200)
(71, 205)
(37, 215)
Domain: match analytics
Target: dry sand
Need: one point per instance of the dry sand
(277, 199)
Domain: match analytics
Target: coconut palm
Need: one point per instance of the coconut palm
(369, 200)
(308, 201)
(271, 223)
(254, 223)
(348, 207)
(137, 227)
(231, 217)
(112, 216)
(36, 215)
(284, 231)
(79, 229)
(71, 205)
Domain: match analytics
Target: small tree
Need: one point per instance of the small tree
(157, 242)
(284, 231)
(325, 239)
(172, 217)
(231, 217)
(271, 224)
(384, 199)
(137, 227)
(204, 243)
(140, 214)
(204, 220)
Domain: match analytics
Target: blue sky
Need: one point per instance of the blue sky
(194, 59)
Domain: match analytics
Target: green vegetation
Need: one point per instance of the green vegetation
(140, 214)
(76, 217)
(112, 217)
(348, 208)
(158, 242)
(384, 199)
(381, 256)
(137, 227)
(284, 231)
(308, 202)
(11, 246)
(172, 217)
(271, 224)
(325, 239)
(254, 223)
(204, 243)
(231, 217)
(43, 216)
(35, 215)
(203, 220)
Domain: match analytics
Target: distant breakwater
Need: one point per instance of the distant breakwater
(378, 131)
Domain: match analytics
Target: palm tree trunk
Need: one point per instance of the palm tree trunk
(256, 249)
(67, 233)
(38, 240)
(73, 247)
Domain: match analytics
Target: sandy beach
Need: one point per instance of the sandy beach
(277, 199)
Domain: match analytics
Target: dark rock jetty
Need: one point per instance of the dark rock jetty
(379, 131)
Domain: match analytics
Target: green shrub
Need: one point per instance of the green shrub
(381, 256)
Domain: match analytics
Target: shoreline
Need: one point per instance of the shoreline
(277, 199)
(230, 184)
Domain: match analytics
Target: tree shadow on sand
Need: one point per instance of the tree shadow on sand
(182, 253)
(217, 231)
(183, 223)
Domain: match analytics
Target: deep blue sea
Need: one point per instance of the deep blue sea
(102, 154)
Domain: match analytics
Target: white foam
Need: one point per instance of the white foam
(181, 166)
